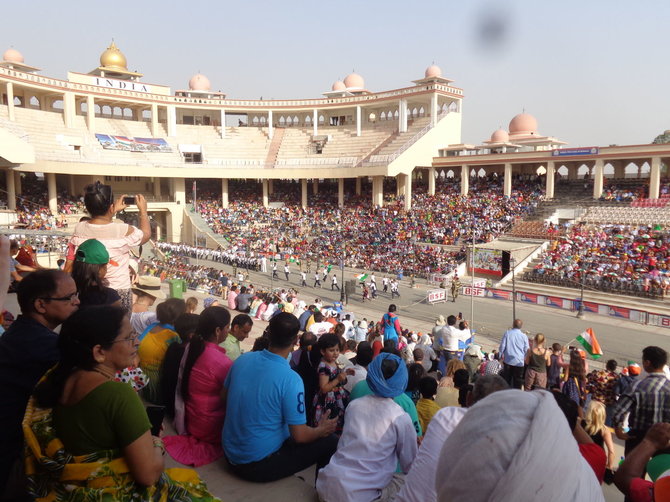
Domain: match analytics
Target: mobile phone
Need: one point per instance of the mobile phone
(156, 415)
(129, 201)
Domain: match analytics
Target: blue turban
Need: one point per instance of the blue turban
(379, 385)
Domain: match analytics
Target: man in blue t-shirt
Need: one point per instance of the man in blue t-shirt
(265, 436)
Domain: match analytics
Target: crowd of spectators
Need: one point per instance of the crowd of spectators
(620, 258)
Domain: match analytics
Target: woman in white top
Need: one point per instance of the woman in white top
(118, 237)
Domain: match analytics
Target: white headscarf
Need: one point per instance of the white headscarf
(514, 446)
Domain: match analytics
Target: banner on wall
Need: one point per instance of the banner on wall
(126, 144)
(437, 295)
(499, 294)
(488, 261)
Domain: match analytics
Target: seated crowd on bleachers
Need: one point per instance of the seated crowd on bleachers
(620, 258)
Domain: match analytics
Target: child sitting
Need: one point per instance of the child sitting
(426, 407)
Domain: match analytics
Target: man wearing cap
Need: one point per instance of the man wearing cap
(647, 401)
(146, 291)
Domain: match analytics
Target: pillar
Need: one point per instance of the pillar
(315, 186)
(573, 169)
(655, 178)
(303, 193)
(171, 120)
(224, 193)
(69, 109)
(358, 120)
(179, 190)
(271, 127)
(433, 110)
(507, 181)
(315, 123)
(154, 120)
(340, 192)
(17, 183)
(378, 191)
(271, 187)
(598, 178)
(400, 181)
(402, 115)
(266, 196)
(619, 169)
(10, 101)
(550, 180)
(408, 191)
(71, 185)
(11, 189)
(90, 113)
(358, 185)
(431, 181)
(465, 179)
(223, 123)
(52, 193)
(157, 188)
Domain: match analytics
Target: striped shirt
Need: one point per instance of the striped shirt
(648, 402)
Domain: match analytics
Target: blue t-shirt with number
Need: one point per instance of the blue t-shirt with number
(265, 396)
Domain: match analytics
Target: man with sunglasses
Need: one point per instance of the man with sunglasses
(27, 350)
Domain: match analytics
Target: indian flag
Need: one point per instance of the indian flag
(329, 268)
(361, 277)
(293, 259)
(590, 343)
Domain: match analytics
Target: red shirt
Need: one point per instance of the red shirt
(596, 458)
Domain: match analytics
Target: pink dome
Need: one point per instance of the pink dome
(500, 136)
(338, 86)
(12, 56)
(354, 81)
(523, 123)
(433, 71)
(199, 82)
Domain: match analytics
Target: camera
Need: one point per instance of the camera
(129, 201)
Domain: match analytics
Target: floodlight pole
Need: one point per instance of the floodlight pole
(580, 312)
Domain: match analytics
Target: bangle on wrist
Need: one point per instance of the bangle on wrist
(158, 443)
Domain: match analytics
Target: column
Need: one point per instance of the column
(69, 109)
(358, 120)
(340, 192)
(10, 101)
(550, 180)
(224, 193)
(70, 180)
(378, 191)
(171, 120)
(572, 171)
(431, 181)
(619, 169)
(154, 120)
(11, 189)
(266, 197)
(179, 190)
(408, 191)
(465, 179)
(17, 183)
(303, 193)
(52, 193)
(90, 113)
(223, 123)
(157, 187)
(433, 110)
(315, 186)
(400, 181)
(402, 115)
(358, 185)
(271, 127)
(315, 122)
(271, 187)
(598, 178)
(655, 178)
(507, 181)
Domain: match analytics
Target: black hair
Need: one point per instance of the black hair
(390, 348)
(611, 365)
(98, 198)
(168, 311)
(283, 329)
(209, 320)
(307, 339)
(568, 407)
(656, 356)
(87, 277)
(351, 345)
(415, 372)
(185, 325)
(392, 308)
(427, 387)
(364, 354)
(318, 317)
(241, 320)
(243, 290)
(328, 340)
(451, 320)
(38, 284)
(83, 330)
(389, 367)
(461, 378)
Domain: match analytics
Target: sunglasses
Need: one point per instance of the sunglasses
(69, 298)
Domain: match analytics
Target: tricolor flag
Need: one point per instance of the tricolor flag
(293, 259)
(329, 268)
(361, 277)
(590, 343)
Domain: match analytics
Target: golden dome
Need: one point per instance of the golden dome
(113, 58)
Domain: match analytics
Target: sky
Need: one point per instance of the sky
(593, 72)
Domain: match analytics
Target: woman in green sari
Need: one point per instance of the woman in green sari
(88, 436)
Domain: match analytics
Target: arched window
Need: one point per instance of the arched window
(422, 112)
(34, 102)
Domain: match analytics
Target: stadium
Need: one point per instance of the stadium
(344, 186)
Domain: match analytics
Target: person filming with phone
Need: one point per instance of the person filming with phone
(118, 237)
